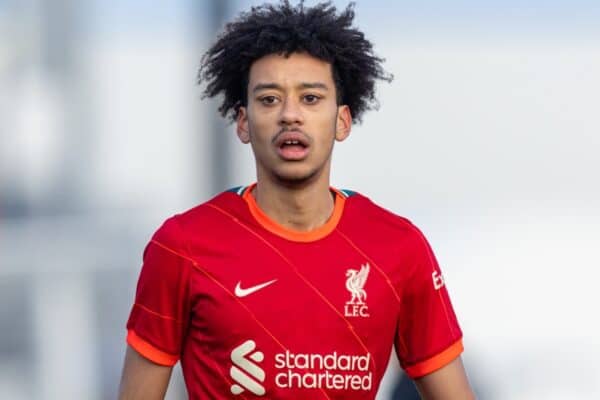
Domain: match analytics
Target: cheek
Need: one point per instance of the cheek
(260, 135)
(327, 127)
(262, 124)
(325, 118)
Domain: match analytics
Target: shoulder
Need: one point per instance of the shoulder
(374, 227)
(179, 228)
(362, 211)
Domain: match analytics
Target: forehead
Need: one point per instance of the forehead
(295, 69)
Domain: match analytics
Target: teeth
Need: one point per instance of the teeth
(291, 142)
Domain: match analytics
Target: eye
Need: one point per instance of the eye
(268, 100)
(311, 99)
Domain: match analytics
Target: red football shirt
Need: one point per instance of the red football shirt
(253, 309)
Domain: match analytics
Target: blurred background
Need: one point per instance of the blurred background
(487, 139)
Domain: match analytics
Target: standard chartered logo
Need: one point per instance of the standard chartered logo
(329, 371)
(243, 370)
(299, 370)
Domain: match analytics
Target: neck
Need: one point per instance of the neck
(303, 208)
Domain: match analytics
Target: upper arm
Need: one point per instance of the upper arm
(159, 317)
(428, 335)
(429, 338)
(143, 379)
(447, 383)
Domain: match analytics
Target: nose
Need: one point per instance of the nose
(291, 113)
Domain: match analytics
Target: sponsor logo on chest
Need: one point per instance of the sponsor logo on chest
(329, 371)
(355, 283)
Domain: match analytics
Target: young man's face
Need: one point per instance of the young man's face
(292, 117)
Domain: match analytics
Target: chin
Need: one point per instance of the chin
(295, 178)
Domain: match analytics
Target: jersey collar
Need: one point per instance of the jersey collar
(290, 234)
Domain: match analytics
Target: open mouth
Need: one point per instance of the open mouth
(296, 144)
(292, 145)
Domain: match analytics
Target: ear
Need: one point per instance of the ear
(343, 123)
(242, 125)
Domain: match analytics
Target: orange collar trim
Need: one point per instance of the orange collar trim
(290, 234)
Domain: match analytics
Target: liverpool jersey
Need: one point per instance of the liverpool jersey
(254, 310)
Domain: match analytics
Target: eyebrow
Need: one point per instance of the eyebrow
(303, 85)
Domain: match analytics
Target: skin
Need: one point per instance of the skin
(291, 94)
(143, 379)
(447, 383)
(296, 93)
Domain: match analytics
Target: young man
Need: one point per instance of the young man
(288, 288)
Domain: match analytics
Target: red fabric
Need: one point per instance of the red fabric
(303, 334)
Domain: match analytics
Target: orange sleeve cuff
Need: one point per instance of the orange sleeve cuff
(436, 362)
(149, 351)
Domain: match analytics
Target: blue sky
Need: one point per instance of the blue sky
(551, 17)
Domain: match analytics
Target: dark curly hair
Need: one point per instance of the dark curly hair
(285, 29)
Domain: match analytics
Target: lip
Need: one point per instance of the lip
(292, 152)
(296, 135)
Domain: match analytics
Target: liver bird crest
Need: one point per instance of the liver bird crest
(355, 283)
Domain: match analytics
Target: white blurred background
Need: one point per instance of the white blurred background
(487, 139)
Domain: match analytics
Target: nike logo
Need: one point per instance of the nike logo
(240, 292)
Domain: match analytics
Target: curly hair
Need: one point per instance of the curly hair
(285, 29)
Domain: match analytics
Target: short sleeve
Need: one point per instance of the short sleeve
(158, 320)
(428, 334)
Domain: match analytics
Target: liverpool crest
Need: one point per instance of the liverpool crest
(355, 282)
